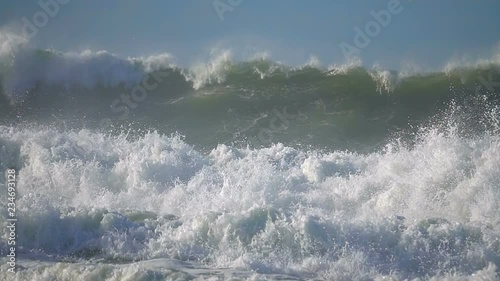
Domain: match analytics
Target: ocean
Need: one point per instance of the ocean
(140, 169)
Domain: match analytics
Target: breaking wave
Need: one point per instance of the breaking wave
(248, 169)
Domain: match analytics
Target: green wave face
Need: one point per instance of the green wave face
(258, 102)
(107, 184)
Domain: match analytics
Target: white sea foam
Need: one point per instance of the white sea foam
(430, 210)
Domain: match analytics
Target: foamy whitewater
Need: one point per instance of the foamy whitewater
(248, 170)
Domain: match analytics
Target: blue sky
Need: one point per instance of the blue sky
(428, 33)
